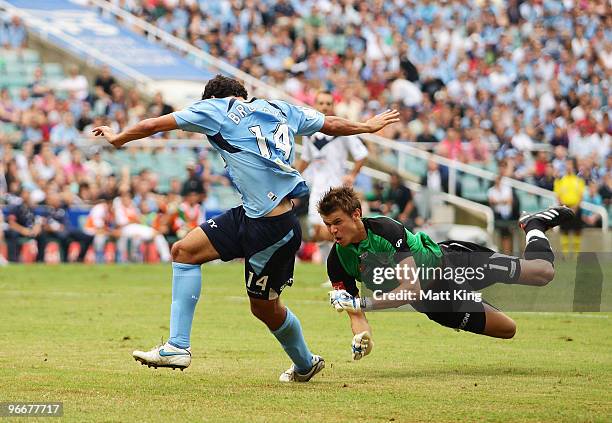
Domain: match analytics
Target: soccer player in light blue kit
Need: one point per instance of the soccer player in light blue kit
(256, 139)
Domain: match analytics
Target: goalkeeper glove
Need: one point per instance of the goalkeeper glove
(342, 300)
(362, 345)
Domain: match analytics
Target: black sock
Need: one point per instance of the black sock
(539, 248)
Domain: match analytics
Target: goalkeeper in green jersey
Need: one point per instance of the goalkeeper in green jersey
(441, 280)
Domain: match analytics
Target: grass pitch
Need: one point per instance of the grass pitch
(68, 333)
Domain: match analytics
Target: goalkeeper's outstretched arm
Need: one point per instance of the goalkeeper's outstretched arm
(359, 322)
(362, 342)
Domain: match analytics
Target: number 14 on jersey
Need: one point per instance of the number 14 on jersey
(282, 141)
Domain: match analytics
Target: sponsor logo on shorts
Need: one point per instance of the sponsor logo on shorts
(464, 322)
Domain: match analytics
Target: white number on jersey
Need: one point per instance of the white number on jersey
(262, 143)
(282, 141)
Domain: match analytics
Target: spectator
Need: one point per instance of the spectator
(128, 220)
(540, 164)
(39, 86)
(547, 180)
(606, 189)
(100, 225)
(521, 138)
(57, 227)
(159, 107)
(96, 168)
(399, 203)
(376, 198)
(23, 223)
(592, 196)
(477, 152)
(436, 177)
(559, 161)
(452, 147)
(501, 201)
(426, 135)
(76, 84)
(560, 138)
(65, 132)
(105, 80)
(14, 34)
(189, 214)
(75, 170)
(24, 101)
(194, 182)
(45, 165)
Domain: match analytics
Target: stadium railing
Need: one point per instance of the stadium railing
(195, 55)
(409, 153)
(44, 31)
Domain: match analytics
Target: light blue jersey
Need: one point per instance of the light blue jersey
(256, 139)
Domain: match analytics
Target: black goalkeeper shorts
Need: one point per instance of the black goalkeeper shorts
(464, 309)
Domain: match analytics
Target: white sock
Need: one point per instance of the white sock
(535, 233)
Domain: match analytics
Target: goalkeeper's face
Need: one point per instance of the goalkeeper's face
(345, 228)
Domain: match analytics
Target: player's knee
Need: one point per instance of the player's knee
(181, 253)
(508, 330)
(263, 310)
(258, 311)
(545, 274)
(549, 273)
(175, 251)
(270, 312)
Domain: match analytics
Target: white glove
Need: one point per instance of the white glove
(342, 300)
(362, 345)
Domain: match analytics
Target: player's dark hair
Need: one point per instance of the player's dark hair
(222, 86)
(324, 92)
(341, 198)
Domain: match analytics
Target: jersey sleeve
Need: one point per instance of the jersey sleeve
(339, 278)
(357, 149)
(395, 233)
(303, 120)
(204, 116)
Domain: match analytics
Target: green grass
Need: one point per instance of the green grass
(68, 332)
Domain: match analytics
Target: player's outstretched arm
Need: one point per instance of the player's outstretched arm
(362, 342)
(338, 126)
(144, 128)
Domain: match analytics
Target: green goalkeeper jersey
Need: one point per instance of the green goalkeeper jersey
(388, 242)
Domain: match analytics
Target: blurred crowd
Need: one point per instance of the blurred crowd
(50, 168)
(519, 86)
(509, 84)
